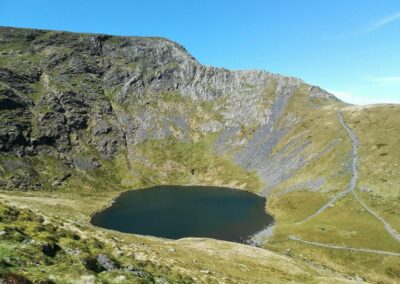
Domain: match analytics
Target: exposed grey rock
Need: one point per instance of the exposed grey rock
(86, 163)
(102, 127)
(312, 185)
(101, 93)
(105, 262)
(19, 82)
(9, 100)
(14, 165)
(224, 140)
(59, 180)
(260, 237)
(316, 92)
(211, 127)
(72, 251)
(53, 131)
(14, 133)
(136, 271)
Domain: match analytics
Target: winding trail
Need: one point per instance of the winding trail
(350, 188)
(388, 228)
(354, 170)
(294, 238)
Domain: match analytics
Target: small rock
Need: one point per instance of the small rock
(135, 271)
(72, 251)
(205, 271)
(86, 163)
(171, 250)
(105, 262)
(358, 278)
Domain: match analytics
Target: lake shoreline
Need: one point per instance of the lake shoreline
(224, 213)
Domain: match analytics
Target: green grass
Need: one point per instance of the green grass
(178, 162)
(224, 260)
(347, 223)
(379, 158)
(30, 261)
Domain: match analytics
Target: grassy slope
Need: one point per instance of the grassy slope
(177, 162)
(189, 261)
(347, 223)
(378, 128)
(22, 252)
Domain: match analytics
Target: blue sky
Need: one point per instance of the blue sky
(349, 47)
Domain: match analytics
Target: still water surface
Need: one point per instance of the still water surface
(186, 211)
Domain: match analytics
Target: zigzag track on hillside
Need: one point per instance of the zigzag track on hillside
(351, 188)
(354, 172)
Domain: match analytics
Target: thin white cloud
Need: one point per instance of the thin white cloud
(382, 22)
(351, 98)
(384, 79)
(370, 28)
(347, 97)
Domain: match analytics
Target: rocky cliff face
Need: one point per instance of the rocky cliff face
(83, 99)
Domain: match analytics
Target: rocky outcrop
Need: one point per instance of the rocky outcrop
(14, 123)
(67, 95)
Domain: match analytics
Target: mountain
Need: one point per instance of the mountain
(86, 116)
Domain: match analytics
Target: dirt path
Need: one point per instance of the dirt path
(353, 182)
(354, 170)
(294, 238)
(386, 225)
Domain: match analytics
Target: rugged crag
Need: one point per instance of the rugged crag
(74, 91)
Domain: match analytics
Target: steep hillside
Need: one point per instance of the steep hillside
(85, 117)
